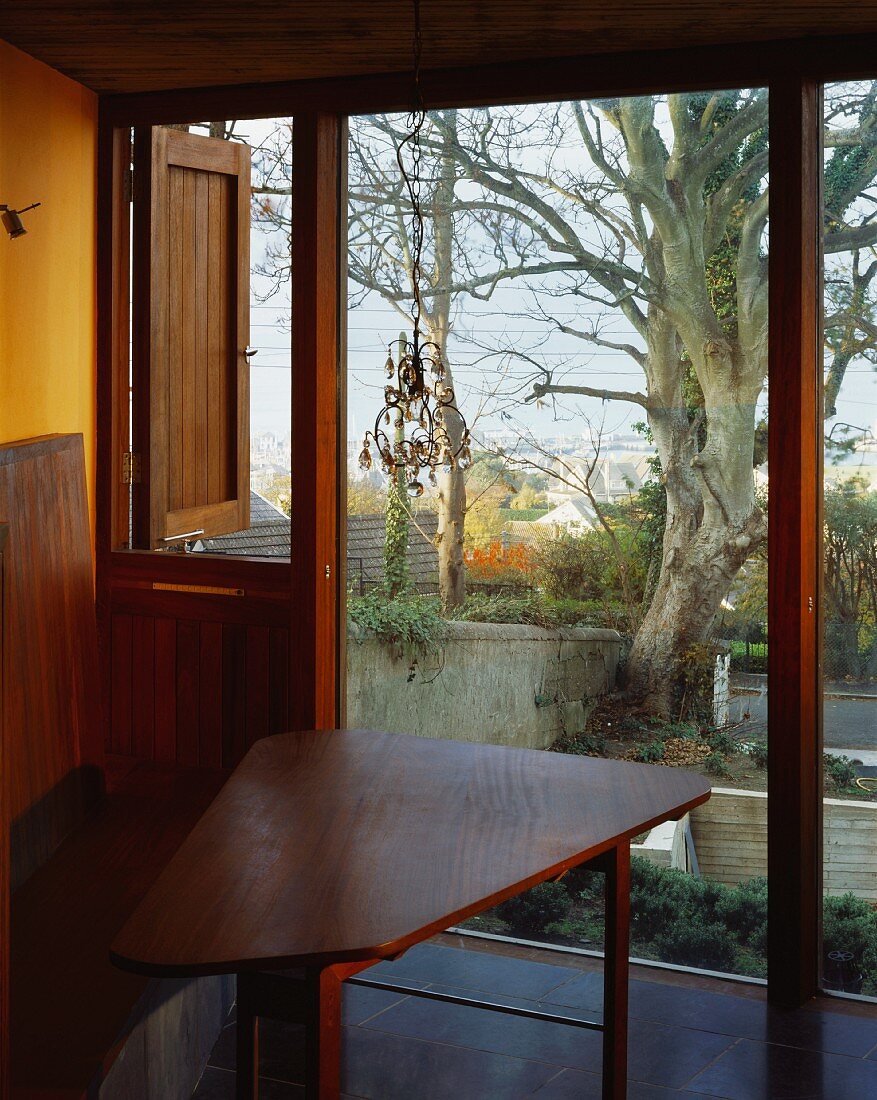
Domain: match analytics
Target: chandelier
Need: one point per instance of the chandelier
(417, 397)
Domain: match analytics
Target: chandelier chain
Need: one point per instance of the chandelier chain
(411, 430)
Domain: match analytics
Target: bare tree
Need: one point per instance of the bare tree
(462, 262)
(656, 209)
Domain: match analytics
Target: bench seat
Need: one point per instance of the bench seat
(73, 1014)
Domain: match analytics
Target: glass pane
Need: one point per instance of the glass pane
(270, 375)
(595, 276)
(850, 542)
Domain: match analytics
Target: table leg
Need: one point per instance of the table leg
(246, 1042)
(615, 974)
(323, 1034)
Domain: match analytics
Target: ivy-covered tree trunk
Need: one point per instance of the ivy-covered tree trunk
(396, 536)
(451, 483)
(396, 521)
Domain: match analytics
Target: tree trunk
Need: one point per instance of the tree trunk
(452, 483)
(713, 526)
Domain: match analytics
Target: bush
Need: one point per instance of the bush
(530, 912)
(531, 610)
(649, 753)
(581, 744)
(608, 614)
(411, 625)
(693, 942)
(757, 753)
(850, 924)
(840, 772)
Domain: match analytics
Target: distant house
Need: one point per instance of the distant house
(615, 477)
(365, 551)
(573, 514)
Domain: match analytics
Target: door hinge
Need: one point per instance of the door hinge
(128, 185)
(130, 468)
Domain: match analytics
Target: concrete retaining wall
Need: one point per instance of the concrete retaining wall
(493, 683)
(730, 839)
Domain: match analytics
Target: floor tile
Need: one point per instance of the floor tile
(281, 1050)
(658, 1055)
(748, 1018)
(218, 1084)
(573, 1084)
(475, 970)
(379, 1066)
(762, 1071)
(360, 1003)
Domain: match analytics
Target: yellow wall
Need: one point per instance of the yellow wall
(48, 154)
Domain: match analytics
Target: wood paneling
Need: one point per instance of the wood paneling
(210, 42)
(316, 314)
(71, 1009)
(195, 691)
(54, 749)
(794, 707)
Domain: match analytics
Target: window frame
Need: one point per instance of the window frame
(793, 71)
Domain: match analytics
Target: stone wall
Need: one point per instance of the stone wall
(730, 839)
(494, 683)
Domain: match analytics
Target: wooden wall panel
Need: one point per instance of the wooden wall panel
(188, 694)
(143, 687)
(196, 693)
(165, 690)
(52, 719)
(211, 695)
(234, 685)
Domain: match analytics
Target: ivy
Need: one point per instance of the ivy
(396, 537)
(411, 626)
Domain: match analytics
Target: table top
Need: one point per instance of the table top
(344, 845)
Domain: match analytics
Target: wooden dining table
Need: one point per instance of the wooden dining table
(329, 851)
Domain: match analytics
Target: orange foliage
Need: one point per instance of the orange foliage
(495, 563)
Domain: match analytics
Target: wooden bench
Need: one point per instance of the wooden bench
(83, 836)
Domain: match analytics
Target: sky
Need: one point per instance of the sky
(372, 324)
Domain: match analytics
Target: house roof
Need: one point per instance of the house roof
(365, 550)
(268, 536)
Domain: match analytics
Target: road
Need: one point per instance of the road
(848, 723)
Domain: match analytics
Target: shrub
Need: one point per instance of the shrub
(840, 771)
(743, 910)
(650, 753)
(498, 564)
(721, 742)
(411, 625)
(530, 912)
(531, 610)
(581, 744)
(715, 765)
(757, 753)
(693, 942)
(850, 924)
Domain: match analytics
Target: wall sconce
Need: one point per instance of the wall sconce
(12, 219)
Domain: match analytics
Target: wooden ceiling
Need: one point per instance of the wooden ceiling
(152, 45)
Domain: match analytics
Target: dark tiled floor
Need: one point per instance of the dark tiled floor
(688, 1038)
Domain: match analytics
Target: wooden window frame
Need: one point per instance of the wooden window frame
(793, 71)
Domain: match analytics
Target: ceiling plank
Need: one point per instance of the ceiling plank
(144, 45)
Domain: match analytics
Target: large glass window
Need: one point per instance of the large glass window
(595, 583)
(850, 540)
